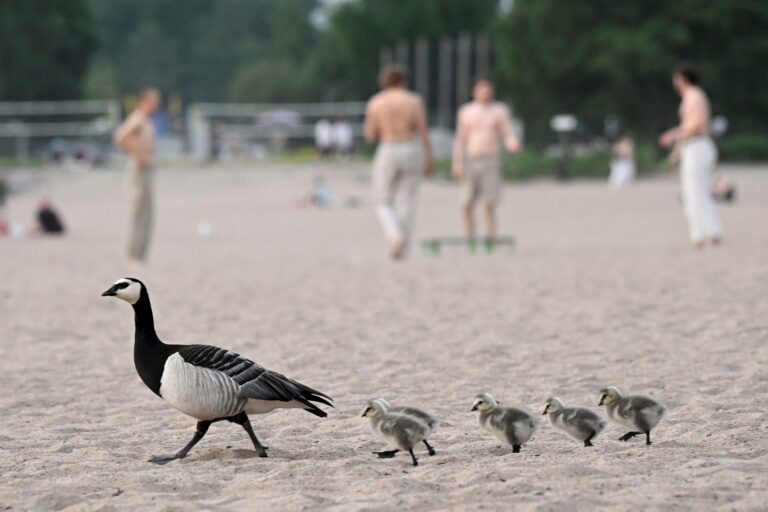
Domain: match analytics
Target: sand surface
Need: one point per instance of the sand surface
(602, 289)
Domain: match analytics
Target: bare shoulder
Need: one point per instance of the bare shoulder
(696, 96)
(501, 108)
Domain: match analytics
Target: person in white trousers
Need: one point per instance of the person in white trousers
(698, 157)
(395, 118)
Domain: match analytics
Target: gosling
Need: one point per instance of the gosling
(638, 413)
(578, 422)
(399, 430)
(510, 426)
(416, 413)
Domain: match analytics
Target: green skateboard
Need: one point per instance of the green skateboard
(434, 246)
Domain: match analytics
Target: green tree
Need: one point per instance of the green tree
(45, 47)
(348, 55)
(602, 57)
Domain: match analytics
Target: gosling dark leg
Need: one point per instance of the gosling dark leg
(629, 435)
(516, 448)
(588, 441)
(202, 428)
(413, 457)
(242, 420)
(430, 450)
(648, 438)
(386, 454)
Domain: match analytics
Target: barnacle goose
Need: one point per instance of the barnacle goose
(638, 413)
(510, 425)
(208, 383)
(578, 422)
(400, 430)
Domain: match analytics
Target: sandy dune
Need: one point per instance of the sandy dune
(603, 289)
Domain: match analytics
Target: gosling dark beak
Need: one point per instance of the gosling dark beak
(365, 412)
(474, 408)
(602, 400)
(110, 293)
(545, 411)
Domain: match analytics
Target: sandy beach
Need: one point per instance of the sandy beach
(602, 288)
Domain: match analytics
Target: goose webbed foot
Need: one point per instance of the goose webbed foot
(162, 460)
(413, 458)
(588, 441)
(388, 454)
(430, 450)
(629, 435)
(516, 448)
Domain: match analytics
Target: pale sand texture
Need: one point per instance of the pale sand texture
(603, 289)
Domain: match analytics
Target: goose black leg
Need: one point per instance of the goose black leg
(648, 438)
(629, 435)
(516, 448)
(242, 420)
(430, 450)
(415, 462)
(386, 454)
(588, 441)
(202, 428)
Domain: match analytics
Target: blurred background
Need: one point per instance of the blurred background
(251, 79)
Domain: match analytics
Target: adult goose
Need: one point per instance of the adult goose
(208, 383)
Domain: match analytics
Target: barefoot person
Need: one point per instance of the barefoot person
(136, 136)
(482, 124)
(698, 157)
(395, 118)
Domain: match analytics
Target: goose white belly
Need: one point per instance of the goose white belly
(199, 392)
(255, 406)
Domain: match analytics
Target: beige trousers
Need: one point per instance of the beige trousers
(697, 163)
(140, 195)
(397, 170)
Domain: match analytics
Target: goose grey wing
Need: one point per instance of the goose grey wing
(575, 416)
(255, 381)
(416, 413)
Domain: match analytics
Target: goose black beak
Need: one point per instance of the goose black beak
(110, 293)
(474, 408)
(545, 411)
(602, 400)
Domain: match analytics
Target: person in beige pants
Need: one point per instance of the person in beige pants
(395, 118)
(136, 136)
(698, 158)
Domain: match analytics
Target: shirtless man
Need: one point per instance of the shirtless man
(482, 124)
(698, 157)
(136, 136)
(395, 118)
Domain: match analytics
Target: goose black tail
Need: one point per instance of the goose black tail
(309, 395)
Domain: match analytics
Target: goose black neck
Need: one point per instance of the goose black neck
(145, 322)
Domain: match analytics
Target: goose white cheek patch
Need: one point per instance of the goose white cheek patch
(131, 293)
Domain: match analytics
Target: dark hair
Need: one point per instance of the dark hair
(688, 71)
(393, 75)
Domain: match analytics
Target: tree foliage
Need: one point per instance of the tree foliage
(348, 55)
(602, 57)
(45, 47)
(196, 48)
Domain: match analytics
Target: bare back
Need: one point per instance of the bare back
(695, 112)
(394, 115)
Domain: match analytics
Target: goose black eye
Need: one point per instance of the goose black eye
(120, 286)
